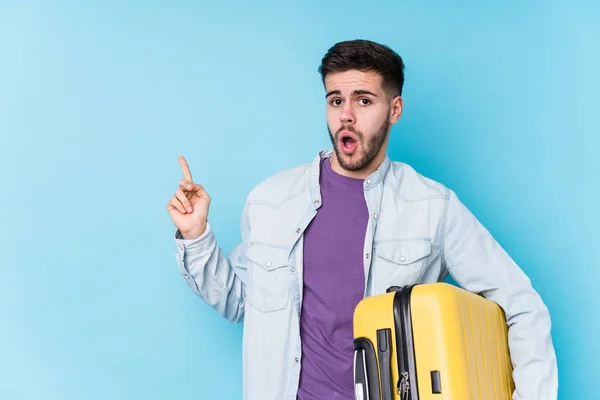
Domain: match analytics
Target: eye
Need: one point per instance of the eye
(364, 101)
(336, 102)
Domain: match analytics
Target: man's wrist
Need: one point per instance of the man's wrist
(194, 233)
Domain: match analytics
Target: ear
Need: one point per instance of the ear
(396, 108)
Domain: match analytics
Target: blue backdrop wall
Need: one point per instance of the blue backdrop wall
(98, 100)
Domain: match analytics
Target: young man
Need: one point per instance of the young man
(318, 238)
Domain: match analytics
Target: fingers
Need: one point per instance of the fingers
(185, 202)
(186, 186)
(175, 204)
(180, 201)
(185, 169)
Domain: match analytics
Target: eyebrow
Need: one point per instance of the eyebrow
(355, 93)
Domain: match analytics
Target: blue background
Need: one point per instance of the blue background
(98, 100)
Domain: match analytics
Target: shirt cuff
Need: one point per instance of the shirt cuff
(201, 242)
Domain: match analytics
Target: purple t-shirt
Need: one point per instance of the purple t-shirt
(333, 286)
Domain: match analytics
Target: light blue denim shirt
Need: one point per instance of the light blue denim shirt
(418, 232)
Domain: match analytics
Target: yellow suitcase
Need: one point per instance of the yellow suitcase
(431, 341)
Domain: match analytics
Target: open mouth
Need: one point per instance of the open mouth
(348, 142)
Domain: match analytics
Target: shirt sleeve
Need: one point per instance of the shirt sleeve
(479, 264)
(218, 278)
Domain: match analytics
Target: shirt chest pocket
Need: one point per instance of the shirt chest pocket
(269, 280)
(399, 263)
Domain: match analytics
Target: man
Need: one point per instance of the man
(318, 238)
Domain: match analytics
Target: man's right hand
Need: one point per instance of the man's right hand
(189, 206)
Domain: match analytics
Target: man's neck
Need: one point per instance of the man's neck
(362, 173)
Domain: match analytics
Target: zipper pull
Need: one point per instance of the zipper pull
(403, 386)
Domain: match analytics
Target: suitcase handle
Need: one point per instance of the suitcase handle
(366, 371)
(384, 354)
(393, 289)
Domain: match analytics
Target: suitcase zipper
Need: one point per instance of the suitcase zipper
(403, 386)
(403, 342)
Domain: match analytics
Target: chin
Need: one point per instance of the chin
(354, 162)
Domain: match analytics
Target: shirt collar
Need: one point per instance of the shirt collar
(370, 182)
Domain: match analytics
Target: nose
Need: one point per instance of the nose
(347, 115)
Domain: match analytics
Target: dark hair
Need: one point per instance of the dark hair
(365, 55)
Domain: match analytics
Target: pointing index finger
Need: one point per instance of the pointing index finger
(187, 174)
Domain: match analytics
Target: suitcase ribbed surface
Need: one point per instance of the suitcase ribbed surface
(464, 337)
(482, 330)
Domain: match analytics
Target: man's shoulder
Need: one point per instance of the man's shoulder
(412, 185)
(281, 185)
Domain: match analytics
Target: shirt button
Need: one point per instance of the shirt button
(293, 269)
(368, 181)
(268, 263)
(298, 230)
(402, 258)
(316, 201)
(367, 255)
(187, 276)
(296, 359)
(375, 216)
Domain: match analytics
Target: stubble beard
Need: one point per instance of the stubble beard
(369, 152)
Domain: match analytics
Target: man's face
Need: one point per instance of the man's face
(359, 116)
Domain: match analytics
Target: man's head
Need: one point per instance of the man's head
(363, 83)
